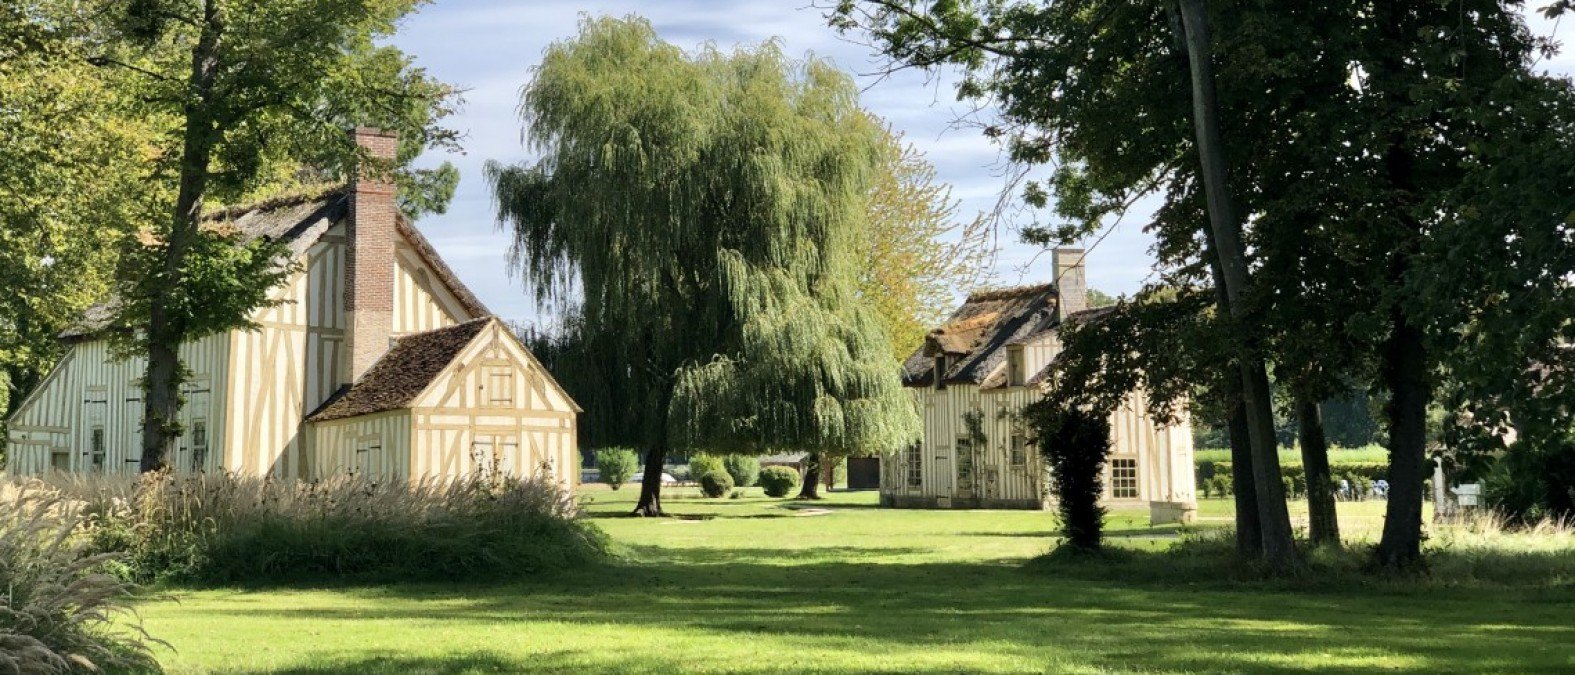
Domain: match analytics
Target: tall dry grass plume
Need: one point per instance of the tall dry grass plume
(61, 611)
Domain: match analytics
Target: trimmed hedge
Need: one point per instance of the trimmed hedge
(777, 481)
(716, 484)
(1371, 471)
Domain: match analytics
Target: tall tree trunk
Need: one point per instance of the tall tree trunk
(1279, 546)
(811, 488)
(1249, 532)
(1404, 359)
(1323, 523)
(166, 329)
(1405, 373)
(650, 503)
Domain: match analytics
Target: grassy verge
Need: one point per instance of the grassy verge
(843, 586)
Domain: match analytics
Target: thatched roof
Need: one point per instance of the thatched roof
(298, 220)
(402, 373)
(975, 337)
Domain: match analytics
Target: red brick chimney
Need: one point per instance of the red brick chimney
(369, 262)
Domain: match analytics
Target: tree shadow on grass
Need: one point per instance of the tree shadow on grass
(1116, 615)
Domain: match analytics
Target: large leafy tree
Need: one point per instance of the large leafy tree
(243, 98)
(1345, 129)
(920, 255)
(706, 211)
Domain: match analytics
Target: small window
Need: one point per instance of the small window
(1123, 479)
(1015, 376)
(1019, 450)
(199, 445)
(964, 463)
(369, 458)
(916, 465)
(940, 371)
(498, 386)
(484, 457)
(96, 449)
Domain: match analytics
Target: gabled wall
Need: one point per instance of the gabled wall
(88, 389)
(494, 400)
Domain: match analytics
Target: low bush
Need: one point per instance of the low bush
(702, 464)
(716, 484)
(616, 465)
(745, 470)
(218, 529)
(778, 481)
(60, 611)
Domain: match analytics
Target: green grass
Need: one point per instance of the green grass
(1364, 454)
(764, 585)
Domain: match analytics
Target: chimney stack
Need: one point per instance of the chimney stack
(1071, 284)
(369, 262)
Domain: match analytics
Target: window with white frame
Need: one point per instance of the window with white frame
(95, 411)
(916, 465)
(199, 445)
(1124, 478)
(96, 448)
(1019, 450)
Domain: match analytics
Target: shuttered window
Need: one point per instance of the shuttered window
(499, 386)
(1014, 366)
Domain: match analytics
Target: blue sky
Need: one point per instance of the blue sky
(489, 47)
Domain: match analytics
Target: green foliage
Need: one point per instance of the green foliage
(733, 185)
(778, 481)
(73, 180)
(716, 484)
(1075, 444)
(219, 529)
(744, 470)
(616, 465)
(919, 256)
(1217, 474)
(702, 464)
(61, 612)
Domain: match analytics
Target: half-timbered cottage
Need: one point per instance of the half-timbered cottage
(973, 376)
(375, 360)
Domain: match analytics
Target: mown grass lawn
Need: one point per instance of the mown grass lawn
(765, 585)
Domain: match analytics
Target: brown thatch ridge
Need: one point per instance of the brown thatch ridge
(975, 337)
(397, 378)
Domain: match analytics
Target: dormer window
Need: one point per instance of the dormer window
(1015, 373)
(940, 371)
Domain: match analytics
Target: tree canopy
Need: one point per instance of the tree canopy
(706, 213)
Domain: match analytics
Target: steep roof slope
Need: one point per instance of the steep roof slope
(401, 374)
(975, 338)
(298, 221)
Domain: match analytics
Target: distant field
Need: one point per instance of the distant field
(1366, 453)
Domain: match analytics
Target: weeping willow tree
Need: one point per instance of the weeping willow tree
(704, 213)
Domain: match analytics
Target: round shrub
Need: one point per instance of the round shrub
(744, 470)
(616, 465)
(778, 481)
(702, 464)
(716, 484)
